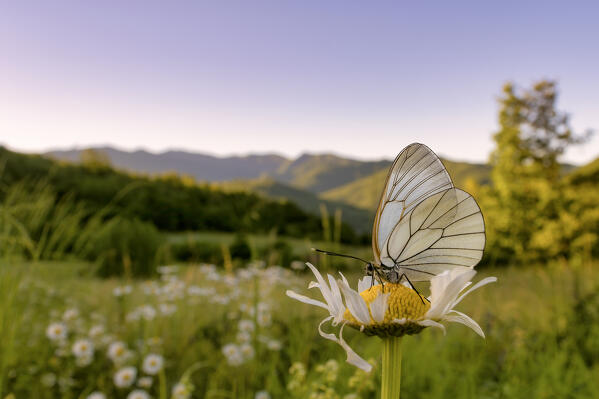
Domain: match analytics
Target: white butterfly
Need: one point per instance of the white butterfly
(424, 225)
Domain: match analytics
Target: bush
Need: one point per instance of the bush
(125, 247)
(240, 248)
(194, 251)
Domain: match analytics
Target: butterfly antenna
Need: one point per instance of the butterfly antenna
(337, 254)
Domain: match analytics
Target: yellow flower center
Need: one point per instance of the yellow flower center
(402, 303)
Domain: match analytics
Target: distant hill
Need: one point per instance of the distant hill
(360, 219)
(201, 166)
(319, 173)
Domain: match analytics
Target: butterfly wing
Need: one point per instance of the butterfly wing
(444, 231)
(416, 174)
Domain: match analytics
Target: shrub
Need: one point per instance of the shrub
(125, 247)
(240, 248)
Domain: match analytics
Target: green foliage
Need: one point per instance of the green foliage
(531, 212)
(240, 248)
(125, 247)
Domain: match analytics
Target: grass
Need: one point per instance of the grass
(541, 325)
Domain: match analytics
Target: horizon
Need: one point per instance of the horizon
(360, 81)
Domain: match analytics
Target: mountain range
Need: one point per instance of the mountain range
(351, 185)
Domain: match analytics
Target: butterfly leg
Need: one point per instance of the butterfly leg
(411, 285)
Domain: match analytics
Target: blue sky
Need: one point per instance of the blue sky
(361, 79)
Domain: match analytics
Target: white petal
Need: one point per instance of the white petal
(343, 278)
(378, 307)
(458, 317)
(476, 286)
(431, 323)
(305, 299)
(400, 321)
(355, 303)
(313, 284)
(352, 357)
(364, 283)
(324, 288)
(444, 291)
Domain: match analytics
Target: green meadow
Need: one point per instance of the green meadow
(540, 324)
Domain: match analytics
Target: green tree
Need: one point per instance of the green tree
(532, 136)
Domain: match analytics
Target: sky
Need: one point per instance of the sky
(359, 79)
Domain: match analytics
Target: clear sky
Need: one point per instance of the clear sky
(362, 79)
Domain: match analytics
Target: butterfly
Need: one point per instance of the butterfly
(423, 224)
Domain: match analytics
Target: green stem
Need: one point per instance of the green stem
(391, 379)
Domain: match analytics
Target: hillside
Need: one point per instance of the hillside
(319, 173)
(365, 192)
(168, 202)
(359, 219)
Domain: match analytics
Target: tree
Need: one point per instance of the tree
(532, 136)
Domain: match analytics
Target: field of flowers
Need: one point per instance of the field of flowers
(198, 331)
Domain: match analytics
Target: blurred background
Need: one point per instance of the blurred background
(230, 138)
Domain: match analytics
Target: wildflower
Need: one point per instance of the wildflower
(83, 361)
(392, 311)
(246, 326)
(96, 395)
(181, 391)
(247, 350)
(122, 291)
(96, 331)
(167, 309)
(274, 345)
(70, 314)
(83, 348)
(145, 382)
(56, 332)
(233, 354)
(244, 336)
(168, 269)
(117, 351)
(152, 364)
(125, 377)
(138, 394)
(262, 395)
(48, 379)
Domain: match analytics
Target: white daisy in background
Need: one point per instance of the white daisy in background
(246, 326)
(122, 291)
(83, 361)
(125, 377)
(70, 314)
(152, 364)
(56, 332)
(138, 394)
(247, 350)
(233, 354)
(181, 391)
(117, 351)
(97, 331)
(145, 382)
(83, 348)
(262, 395)
(243, 336)
(167, 309)
(394, 310)
(96, 395)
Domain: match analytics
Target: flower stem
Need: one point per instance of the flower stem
(391, 380)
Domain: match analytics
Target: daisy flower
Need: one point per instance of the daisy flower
(96, 395)
(181, 391)
(390, 311)
(56, 331)
(152, 364)
(138, 394)
(125, 377)
(83, 348)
